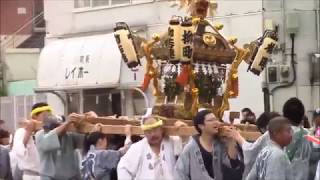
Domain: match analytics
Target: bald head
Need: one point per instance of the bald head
(280, 130)
(277, 124)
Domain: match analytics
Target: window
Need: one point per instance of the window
(100, 3)
(105, 102)
(73, 101)
(81, 3)
(117, 2)
(138, 103)
(97, 3)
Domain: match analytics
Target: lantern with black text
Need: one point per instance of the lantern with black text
(126, 44)
(263, 55)
(187, 30)
(174, 35)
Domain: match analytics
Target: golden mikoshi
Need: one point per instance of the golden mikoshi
(206, 62)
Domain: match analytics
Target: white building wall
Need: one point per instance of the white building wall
(21, 64)
(305, 44)
(63, 20)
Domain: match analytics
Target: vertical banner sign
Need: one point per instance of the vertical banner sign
(174, 40)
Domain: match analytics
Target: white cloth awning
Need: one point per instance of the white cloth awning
(79, 63)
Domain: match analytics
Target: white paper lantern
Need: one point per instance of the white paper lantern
(263, 55)
(174, 33)
(126, 45)
(187, 32)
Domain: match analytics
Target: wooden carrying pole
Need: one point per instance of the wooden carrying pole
(116, 126)
(167, 122)
(169, 130)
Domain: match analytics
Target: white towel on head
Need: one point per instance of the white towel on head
(201, 109)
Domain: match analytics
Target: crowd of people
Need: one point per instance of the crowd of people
(53, 153)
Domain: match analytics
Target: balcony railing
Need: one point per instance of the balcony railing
(15, 39)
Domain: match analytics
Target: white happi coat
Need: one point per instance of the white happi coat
(299, 164)
(272, 163)
(140, 162)
(318, 172)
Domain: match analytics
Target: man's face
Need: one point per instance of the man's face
(285, 135)
(5, 141)
(42, 115)
(317, 121)
(211, 125)
(1, 124)
(103, 142)
(155, 135)
(245, 114)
